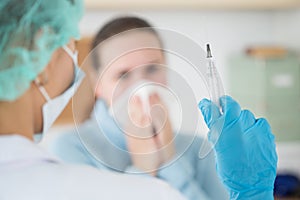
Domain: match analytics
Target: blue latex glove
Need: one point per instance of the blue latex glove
(244, 147)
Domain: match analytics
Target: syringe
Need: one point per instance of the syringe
(214, 80)
(216, 91)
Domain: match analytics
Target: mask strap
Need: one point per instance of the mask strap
(73, 55)
(42, 90)
(68, 50)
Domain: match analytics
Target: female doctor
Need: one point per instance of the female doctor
(195, 178)
(38, 74)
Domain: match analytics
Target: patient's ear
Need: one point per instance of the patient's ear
(93, 77)
(83, 101)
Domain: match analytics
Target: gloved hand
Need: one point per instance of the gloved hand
(245, 152)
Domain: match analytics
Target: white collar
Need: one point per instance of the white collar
(16, 148)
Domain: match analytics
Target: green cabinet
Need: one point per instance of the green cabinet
(271, 89)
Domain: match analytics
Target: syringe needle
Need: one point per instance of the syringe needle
(208, 51)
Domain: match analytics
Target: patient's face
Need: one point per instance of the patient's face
(127, 59)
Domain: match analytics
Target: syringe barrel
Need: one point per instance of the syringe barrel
(214, 83)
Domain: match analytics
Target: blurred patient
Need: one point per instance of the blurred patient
(102, 143)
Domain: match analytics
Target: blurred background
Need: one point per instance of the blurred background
(256, 45)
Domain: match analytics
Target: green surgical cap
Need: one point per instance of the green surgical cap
(30, 31)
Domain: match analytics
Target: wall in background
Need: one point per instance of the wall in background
(286, 28)
(229, 33)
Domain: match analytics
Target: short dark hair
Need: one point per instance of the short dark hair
(116, 26)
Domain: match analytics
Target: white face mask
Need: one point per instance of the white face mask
(54, 107)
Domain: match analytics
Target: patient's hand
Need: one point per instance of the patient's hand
(149, 138)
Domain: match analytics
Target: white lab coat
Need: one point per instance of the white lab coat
(29, 172)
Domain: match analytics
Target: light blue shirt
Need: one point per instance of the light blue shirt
(100, 143)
